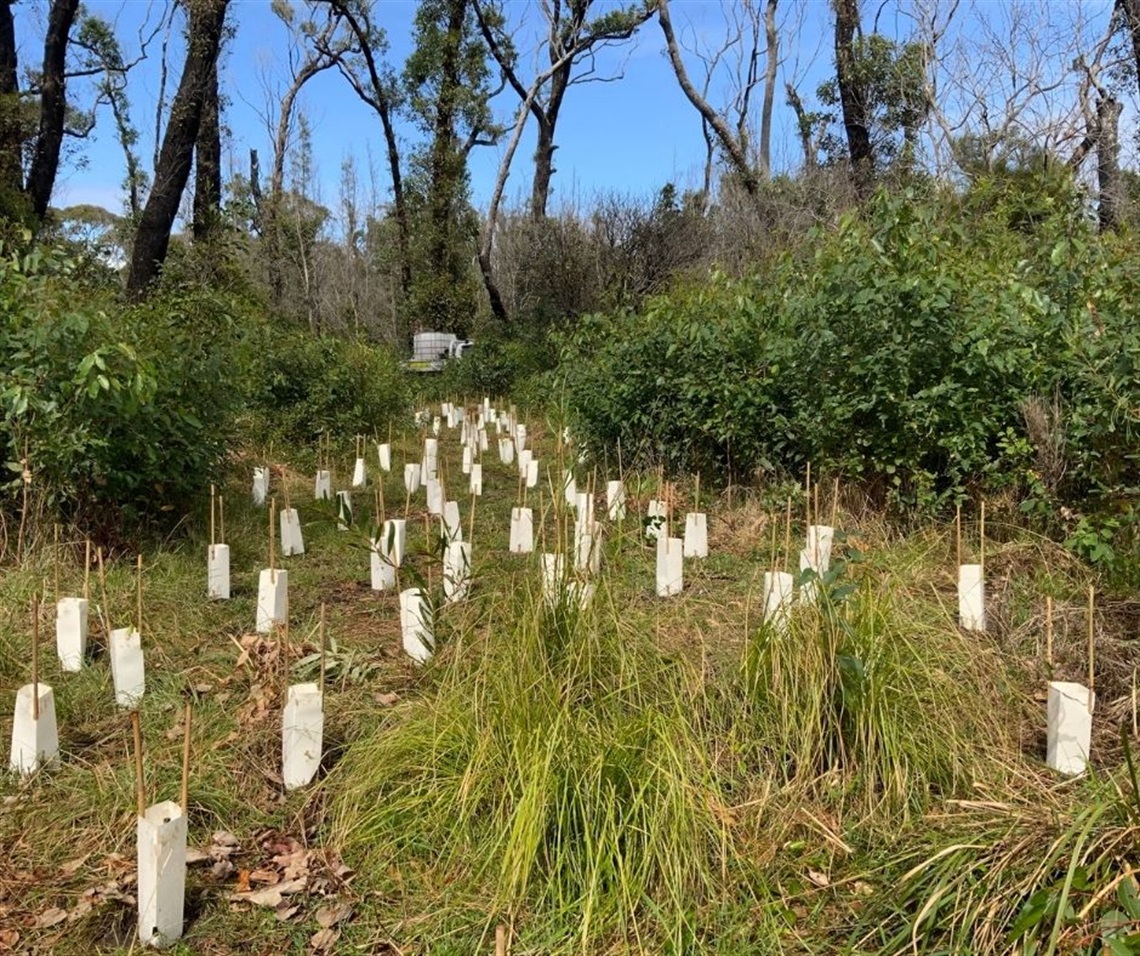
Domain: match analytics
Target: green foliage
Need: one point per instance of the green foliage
(907, 348)
(305, 386)
(123, 412)
(497, 366)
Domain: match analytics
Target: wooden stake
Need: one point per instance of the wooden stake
(185, 793)
(321, 685)
(471, 525)
(55, 561)
(35, 657)
(697, 492)
(213, 493)
(834, 502)
(140, 784)
(1135, 721)
(815, 544)
(380, 495)
(772, 546)
(103, 589)
(1092, 644)
(139, 594)
(982, 537)
(87, 570)
(221, 519)
(272, 509)
(807, 495)
(500, 940)
(1049, 630)
(788, 535)
(958, 532)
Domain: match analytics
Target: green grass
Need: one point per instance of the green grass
(646, 775)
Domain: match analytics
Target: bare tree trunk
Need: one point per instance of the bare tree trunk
(769, 89)
(803, 124)
(1108, 111)
(11, 171)
(255, 189)
(152, 236)
(729, 143)
(544, 151)
(208, 161)
(852, 98)
(53, 106)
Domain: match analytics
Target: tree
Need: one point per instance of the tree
(734, 145)
(852, 97)
(376, 86)
(570, 27)
(208, 160)
(152, 236)
(446, 82)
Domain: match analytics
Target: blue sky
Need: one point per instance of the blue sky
(628, 136)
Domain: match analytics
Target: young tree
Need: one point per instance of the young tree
(152, 235)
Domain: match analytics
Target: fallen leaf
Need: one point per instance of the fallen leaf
(69, 868)
(224, 838)
(270, 895)
(819, 879)
(331, 915)
(386, 700)
(324, 940)
(9, 938)
(243, 882)
(286, 911)
(222, 870)
(194, 856)
(50, 917)
(264, 876)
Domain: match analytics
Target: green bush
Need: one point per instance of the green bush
(123, 412)
(496, 366)
(903, 348)
(306, 386)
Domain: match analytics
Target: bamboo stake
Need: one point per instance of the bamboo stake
(213, 506)
(772, 545)
(958, 532)
(55, 561)
(272, 509)
(807, 495)
(834, 502)
(140, 784)
(1049, 630)
(788, 535)
(1135, 721)
(185, 792)
(982, 537)
(103, 589)
(500, 940)
(35, 657)
(139, 594)
(321, 685)
(87, 570)
(380, 495)
(222, 519)
(815, 544)
(471, 525)
(697, 492)
(1092, 645)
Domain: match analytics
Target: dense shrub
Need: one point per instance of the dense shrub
(913, 347)
(497, 365)
(305, 386)
(122, 411)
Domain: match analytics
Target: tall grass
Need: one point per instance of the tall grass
(558, 767)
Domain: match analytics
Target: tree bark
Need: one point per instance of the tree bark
(152, 236)
(853, 98)
(1108, 111)
(803, 126)
(208, 161)
(769, 89)
(53, 107)
(544, 150)
(11, 171)
(729, 143)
